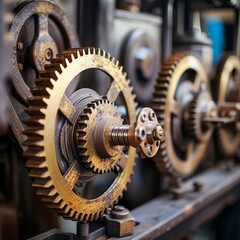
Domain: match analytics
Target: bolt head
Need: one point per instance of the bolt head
(158, 132)
(152, 115)
(141, 134)
(20, 46)
(143, 116)
(149, 148)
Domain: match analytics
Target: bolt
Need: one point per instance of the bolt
(120, 212)
(20, 46)
(48, 54)
(152, 115)
(158, 133)
(141, 134)
(118, 208)
(149, 148)
(143, 117)
(197, 186)
(20, 66)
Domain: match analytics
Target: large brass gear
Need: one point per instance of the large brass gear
(48, 104)
(90, 118)
(181, 78)
(226, 88)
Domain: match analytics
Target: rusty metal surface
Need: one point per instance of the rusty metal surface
(119, 222)
(166, 218)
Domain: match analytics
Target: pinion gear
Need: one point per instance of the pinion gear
(87, 123)
(57, 188)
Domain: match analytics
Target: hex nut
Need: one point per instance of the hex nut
(119, 227)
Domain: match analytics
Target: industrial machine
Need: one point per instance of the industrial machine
(124, 117)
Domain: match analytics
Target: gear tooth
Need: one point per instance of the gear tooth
(67, 62)
(42, 183)
(58, 74)
(34, 112)
(103, 53)
(55, 206)
(53, 82)
(36, 163)
(88, 51)
(39, 173)
(34, 153)
(98, 50)
(50, 192)
(72, 57)
(33, 142)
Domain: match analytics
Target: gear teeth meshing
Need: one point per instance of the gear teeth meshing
(37, 162)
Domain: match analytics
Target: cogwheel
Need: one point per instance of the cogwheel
(89, 118)
(57, 185)
(180, 78)
(201, 106)
(226, 88)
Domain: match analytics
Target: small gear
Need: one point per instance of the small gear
(201, 106)
(87, 123)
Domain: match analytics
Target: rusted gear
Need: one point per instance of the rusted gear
(89, 119)
(226, 89)
(181, 78)
(49, 103)
(40, 30)
(201, 106)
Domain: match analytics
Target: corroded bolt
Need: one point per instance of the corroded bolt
(158, 133)
(20, 46)
(152, 115)
(48, 54)
(143, 116)
(150, 149)
(20, 66)
(144, 134)
(118, 208)
(141, 134)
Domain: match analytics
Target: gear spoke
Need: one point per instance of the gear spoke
(112, 92)
(67, 109)
(72, 174)
(42, 24)
(122, 162)
(197, 81)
